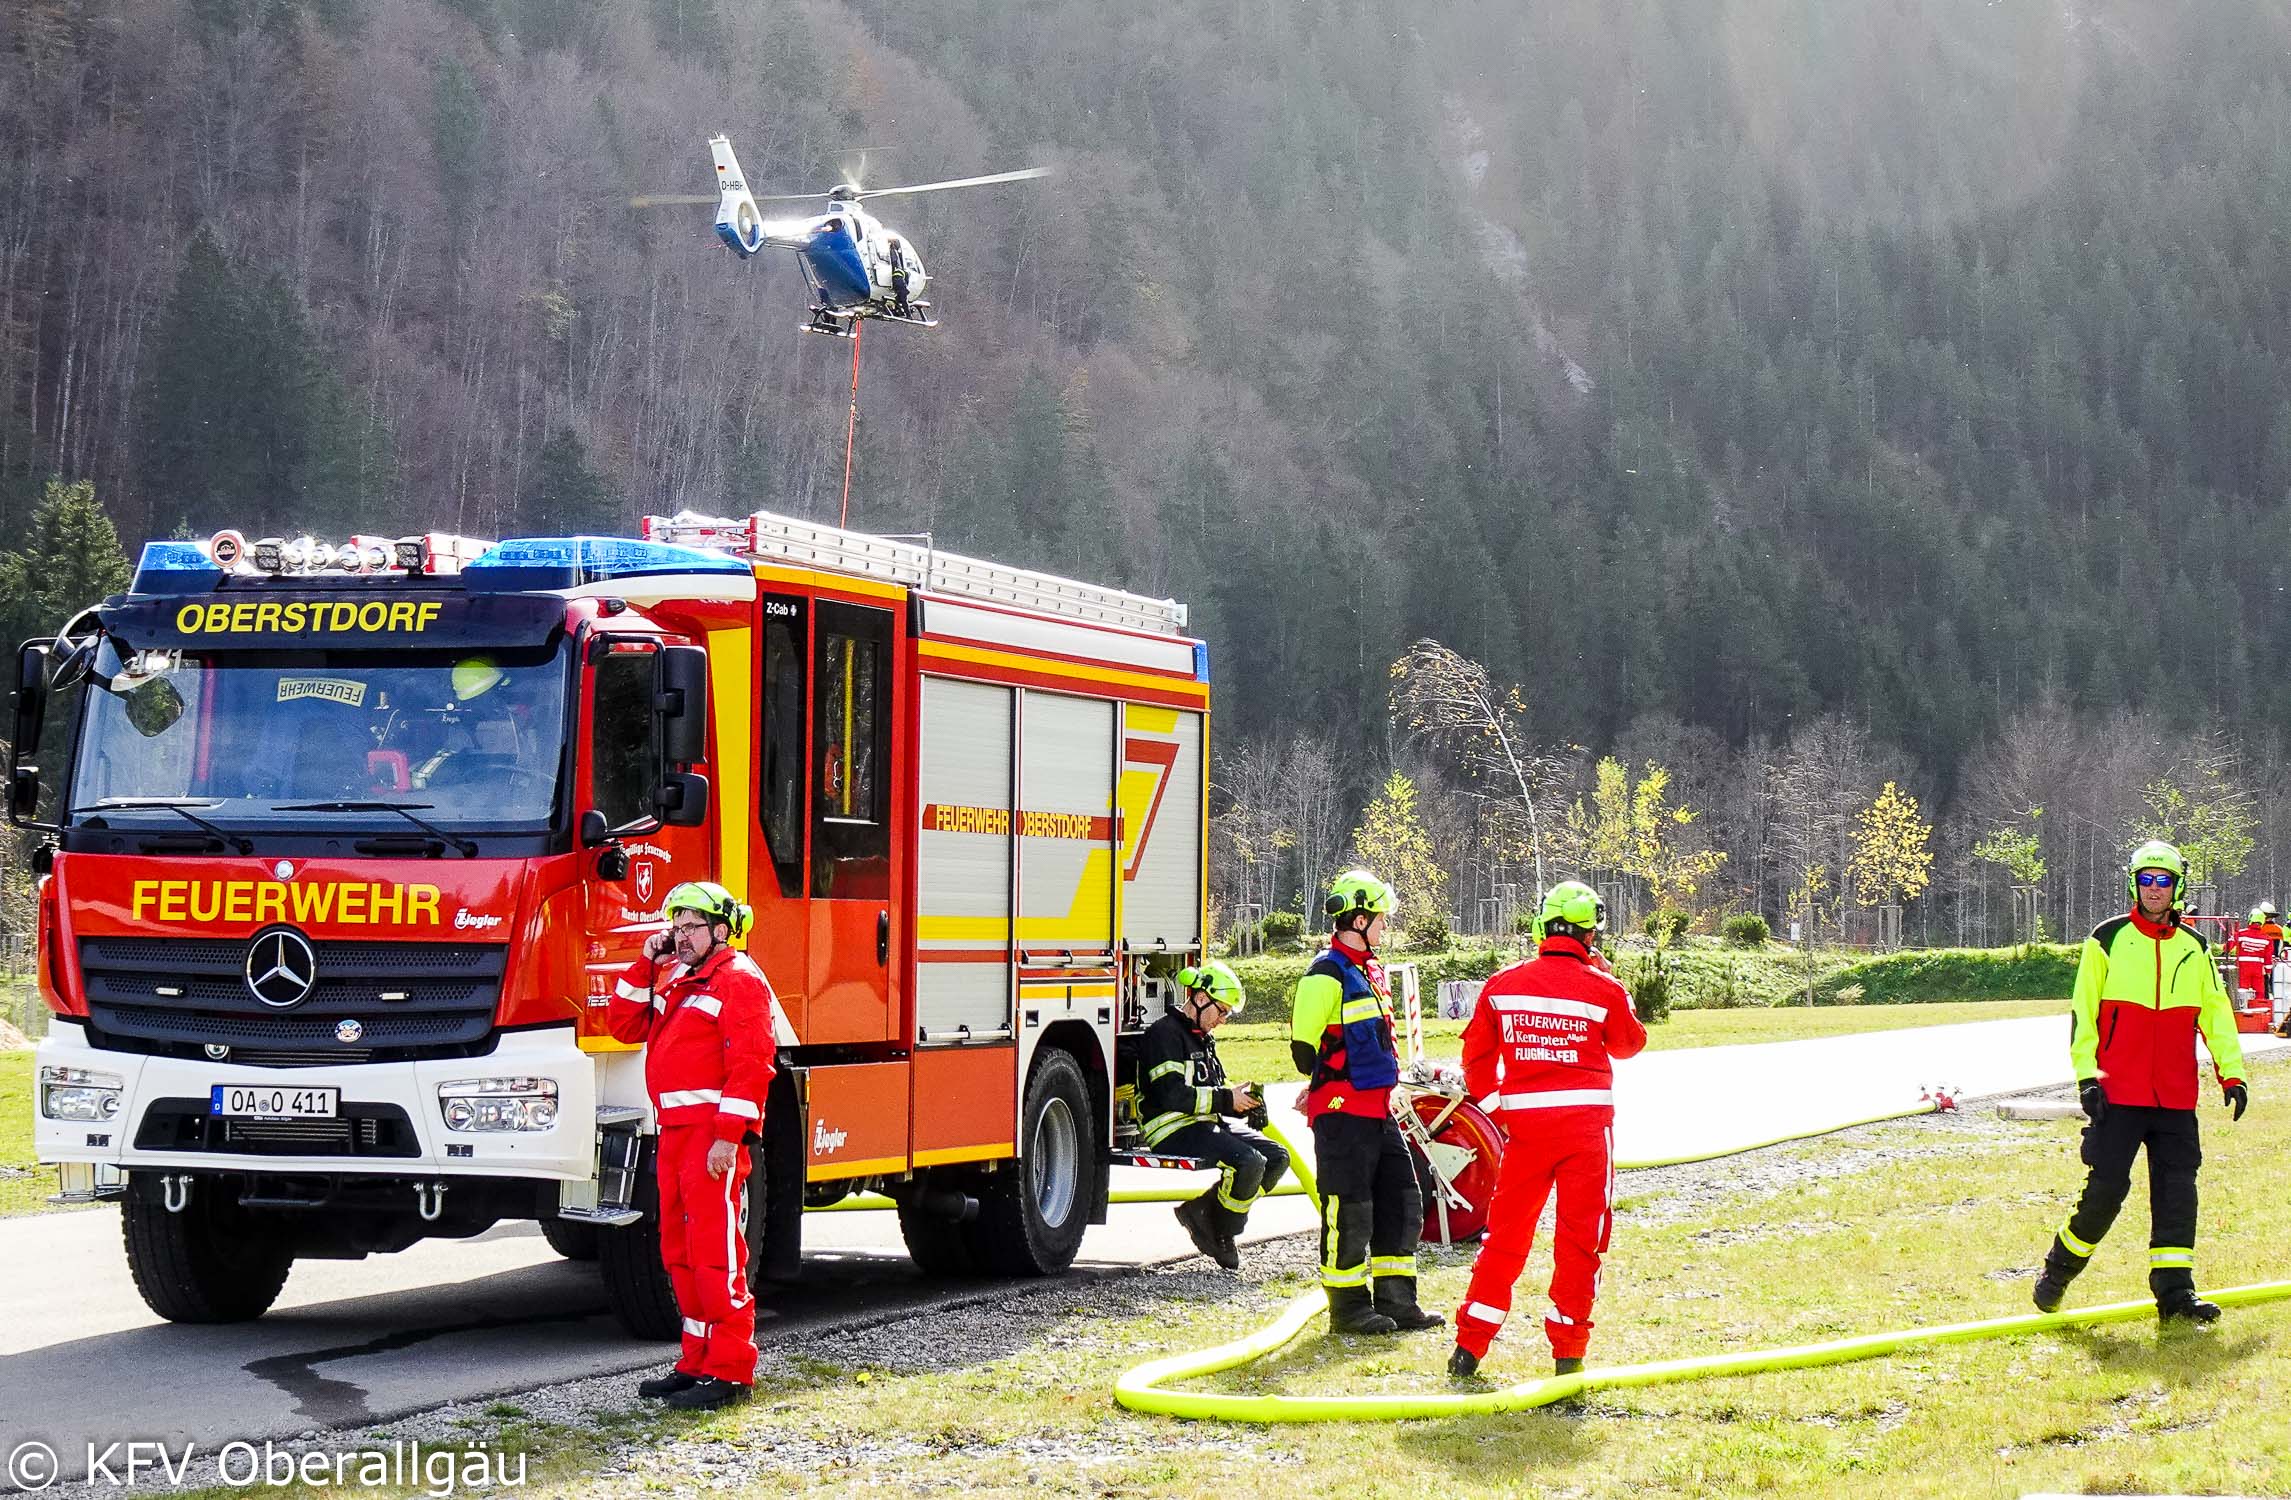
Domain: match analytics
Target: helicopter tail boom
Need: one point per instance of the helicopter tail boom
(737, 222)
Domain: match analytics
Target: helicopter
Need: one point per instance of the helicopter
(858, 267)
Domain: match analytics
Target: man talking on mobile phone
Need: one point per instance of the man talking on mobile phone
(704, 1014)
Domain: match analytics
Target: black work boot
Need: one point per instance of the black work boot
(1463, 1364)
(1567, 1367)
(1194, 1215)
(660, 1387)
(709, 1394)
(2176, 1301)
(1396, 1299)
(2060, 1268)
(1351, 1311)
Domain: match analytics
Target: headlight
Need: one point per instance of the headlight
(79, 1095)
(499, 1104)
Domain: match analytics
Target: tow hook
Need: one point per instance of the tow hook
(429, 1198)
(177, 1187)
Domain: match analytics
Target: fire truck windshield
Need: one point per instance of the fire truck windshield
(471, 738)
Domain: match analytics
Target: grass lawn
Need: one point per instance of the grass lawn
(29, 1191)
(1259, 1050)
(1891, 1227)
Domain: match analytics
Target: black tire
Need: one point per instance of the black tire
(939, 1246)
(215, 1262)
(571, 1238)
(637, 1288)
(1032, 1215)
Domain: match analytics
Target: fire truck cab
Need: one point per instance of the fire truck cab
(346, 846)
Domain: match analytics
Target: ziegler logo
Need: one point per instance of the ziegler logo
(467, 918)
(824, 1140)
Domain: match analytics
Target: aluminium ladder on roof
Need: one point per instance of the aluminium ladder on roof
(775, 538)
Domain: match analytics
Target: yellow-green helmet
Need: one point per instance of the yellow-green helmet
(1572, 902)
(2258, 916)
(2155, 854)
(711, 901)
(1217, 981)
(474, 677)
(1358, 891)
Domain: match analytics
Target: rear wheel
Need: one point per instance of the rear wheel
(1032, 1215)
(940, 1246)
(214, 1262)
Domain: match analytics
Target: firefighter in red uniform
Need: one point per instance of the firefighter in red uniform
(707, 1024)
(1541, 1038)
(2255, 947)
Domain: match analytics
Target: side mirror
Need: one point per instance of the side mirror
(23, 792)
(595, 831)
(681, 700)
(31, 695)
(682, 800)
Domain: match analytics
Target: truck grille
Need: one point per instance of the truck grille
(363, 1130)
(410, 1000)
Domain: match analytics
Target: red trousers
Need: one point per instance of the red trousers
(1578, 1158)
(704, 1243)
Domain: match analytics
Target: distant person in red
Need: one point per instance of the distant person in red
(706, 1022)
(2256, 944)
(1541, 1040)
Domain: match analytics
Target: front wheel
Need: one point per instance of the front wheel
(1032, 1215)
(214, 1262)
(637, 1288)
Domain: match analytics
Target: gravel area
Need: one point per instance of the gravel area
(1046, 1321)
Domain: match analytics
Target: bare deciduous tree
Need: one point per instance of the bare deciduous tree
(1445, 701)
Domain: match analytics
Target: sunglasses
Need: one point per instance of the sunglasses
(2157, 877)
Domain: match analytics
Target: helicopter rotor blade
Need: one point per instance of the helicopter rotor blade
(933, 187)
(785, 197)
(668, 200)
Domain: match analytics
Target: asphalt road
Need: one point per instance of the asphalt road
(350, 1342)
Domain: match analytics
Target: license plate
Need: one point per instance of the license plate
(269, 1102)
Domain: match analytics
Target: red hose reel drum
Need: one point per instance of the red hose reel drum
(1466, 1152)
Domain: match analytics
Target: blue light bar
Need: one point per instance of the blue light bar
(175, 568)
(528, 563)
(1200, 661)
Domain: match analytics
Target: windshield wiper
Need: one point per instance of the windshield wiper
(468, 847)
(164, 804)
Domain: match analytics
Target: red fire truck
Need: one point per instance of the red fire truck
(346, 843)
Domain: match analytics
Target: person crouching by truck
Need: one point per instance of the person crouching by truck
(706, 1024)
(1189, 1108)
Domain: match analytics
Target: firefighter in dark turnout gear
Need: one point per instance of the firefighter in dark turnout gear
(2144, 986)
(1372, 1206)
(1187, 1105)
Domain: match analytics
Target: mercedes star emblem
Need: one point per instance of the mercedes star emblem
(282, 968)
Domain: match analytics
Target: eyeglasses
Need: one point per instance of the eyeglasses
(2163, 878)
(689, 926)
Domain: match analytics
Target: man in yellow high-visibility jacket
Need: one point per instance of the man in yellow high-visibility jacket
(2145, 985)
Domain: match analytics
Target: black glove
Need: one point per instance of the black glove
(2238, 1099)
(1260, 1117)
(2095, 1102)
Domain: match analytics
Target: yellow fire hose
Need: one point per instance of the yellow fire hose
(1141, 1388)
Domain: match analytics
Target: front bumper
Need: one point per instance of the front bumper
(403, 1097)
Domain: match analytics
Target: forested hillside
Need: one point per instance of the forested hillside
(1706, 368)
